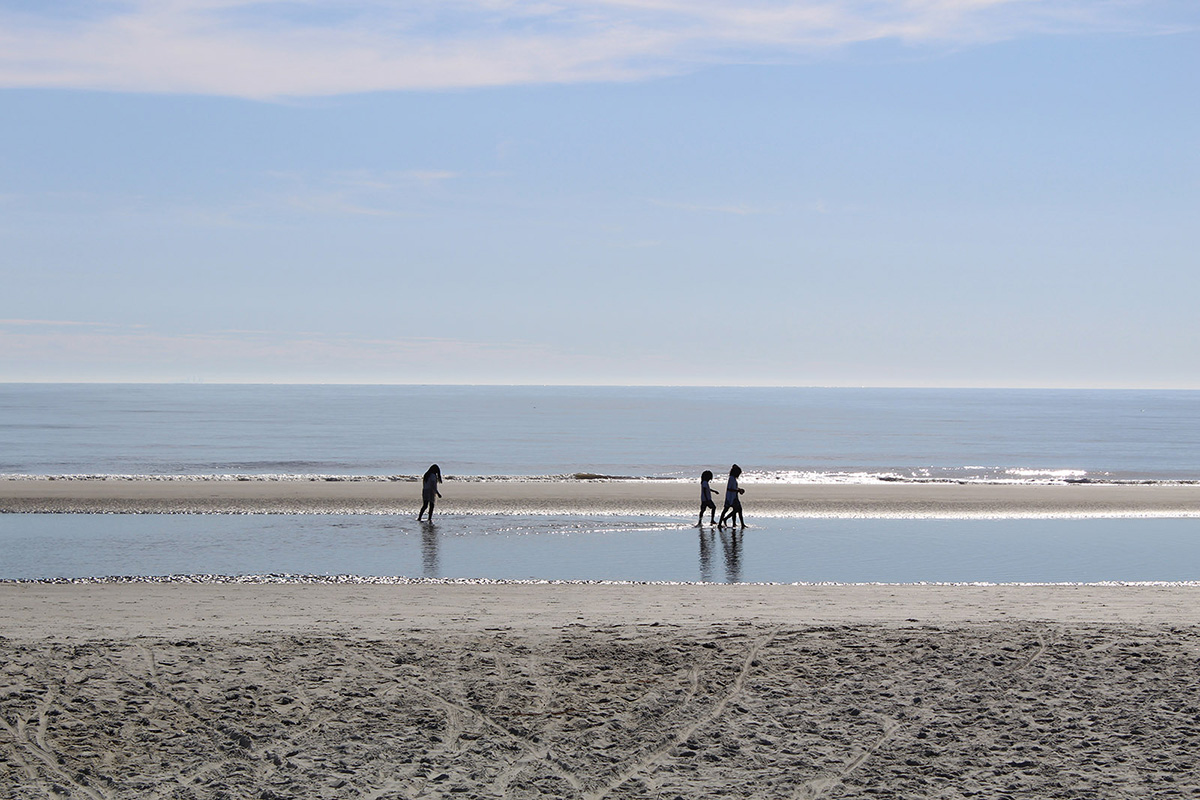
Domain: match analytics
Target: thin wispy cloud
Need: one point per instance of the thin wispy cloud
(60, 323)
(56, 350)
(393, 181)
(335, 204)
(259, 49)
(734, 209)
(361, 192)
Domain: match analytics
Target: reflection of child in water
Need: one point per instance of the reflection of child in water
(733, 503)
(706, 500)
(429, 490)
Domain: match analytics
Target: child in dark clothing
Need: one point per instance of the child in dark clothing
(429, 490)
(733, 503)
(706, 501)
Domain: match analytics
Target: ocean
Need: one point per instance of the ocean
(776, 434)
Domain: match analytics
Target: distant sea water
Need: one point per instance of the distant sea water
(559, 433)
(797, 435)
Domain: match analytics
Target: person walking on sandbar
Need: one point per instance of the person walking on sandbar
(733, 503)
(706, 501)
(429, 490)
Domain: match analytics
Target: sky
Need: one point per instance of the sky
(767, 192)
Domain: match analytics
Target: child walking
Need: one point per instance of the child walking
(706, 501)
(733, 503)
(429, 490)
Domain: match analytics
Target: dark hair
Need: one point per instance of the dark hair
(706, 475)
(735, 470)
(430, 471)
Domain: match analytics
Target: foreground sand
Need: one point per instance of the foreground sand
(117, 495)
(270, 691)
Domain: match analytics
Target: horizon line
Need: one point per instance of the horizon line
(494, 384)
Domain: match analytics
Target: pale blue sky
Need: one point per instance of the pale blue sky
(918, 193)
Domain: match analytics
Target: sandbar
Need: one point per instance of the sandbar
(514, 496)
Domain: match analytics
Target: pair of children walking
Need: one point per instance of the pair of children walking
(733, 501)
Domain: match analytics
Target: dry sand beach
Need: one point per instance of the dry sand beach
(593, 691)
(383, 496)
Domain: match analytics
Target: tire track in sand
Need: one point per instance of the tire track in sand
(654, 756)
(457, 712)
(820, 787)
(37, 746)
